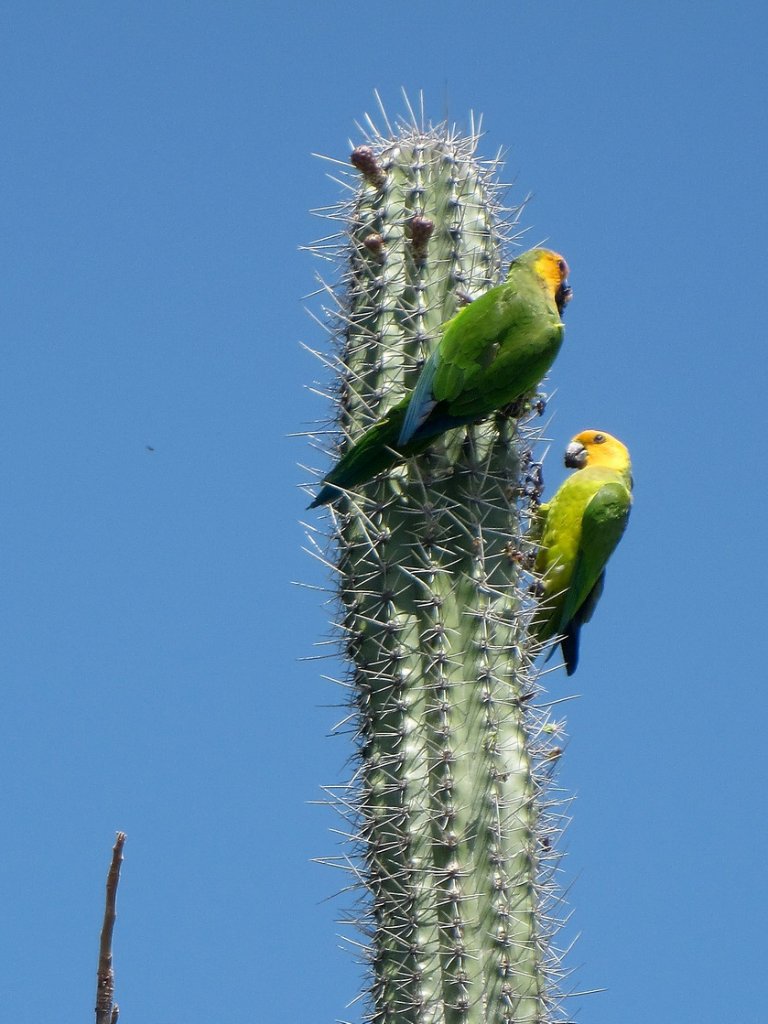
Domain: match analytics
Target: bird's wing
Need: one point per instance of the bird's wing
(422, 400)
(588, 605)
(491, 352)
(471, 341)
(603, 523)
(509, 364)
(474, 338)
(569, 642)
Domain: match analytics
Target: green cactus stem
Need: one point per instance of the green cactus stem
(449, 818)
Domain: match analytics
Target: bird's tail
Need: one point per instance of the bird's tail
(569, 645)
(374, 452)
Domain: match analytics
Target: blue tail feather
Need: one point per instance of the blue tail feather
(421, 404)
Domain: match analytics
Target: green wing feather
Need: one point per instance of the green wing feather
(496, 350)
(603, 523)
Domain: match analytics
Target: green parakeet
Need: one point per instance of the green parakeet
(492, 352)
(578, 531)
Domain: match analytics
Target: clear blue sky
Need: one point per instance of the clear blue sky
(155, 185)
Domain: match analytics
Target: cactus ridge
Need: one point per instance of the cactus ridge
(450, 814)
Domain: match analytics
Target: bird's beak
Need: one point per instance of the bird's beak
(575, 455)
(563, 296)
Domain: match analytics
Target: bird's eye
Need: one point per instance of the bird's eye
(562, 267)
(598, 438)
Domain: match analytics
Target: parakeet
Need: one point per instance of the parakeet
(492, 352)
(577, 531)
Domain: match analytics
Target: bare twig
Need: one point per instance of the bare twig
(107, 1011)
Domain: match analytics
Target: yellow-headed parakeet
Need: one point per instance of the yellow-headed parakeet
(492, 352)
(578, 531)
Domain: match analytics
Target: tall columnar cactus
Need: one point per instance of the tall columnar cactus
(451, 828)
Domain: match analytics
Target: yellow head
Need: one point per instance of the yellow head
(552, 268)
(596, 448)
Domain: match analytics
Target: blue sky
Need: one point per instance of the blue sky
(156, 185)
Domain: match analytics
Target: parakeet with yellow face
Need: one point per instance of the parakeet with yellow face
(492, 352)
(577, 533)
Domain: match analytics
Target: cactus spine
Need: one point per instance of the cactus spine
(447, 801)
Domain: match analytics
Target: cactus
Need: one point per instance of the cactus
(448, 809)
